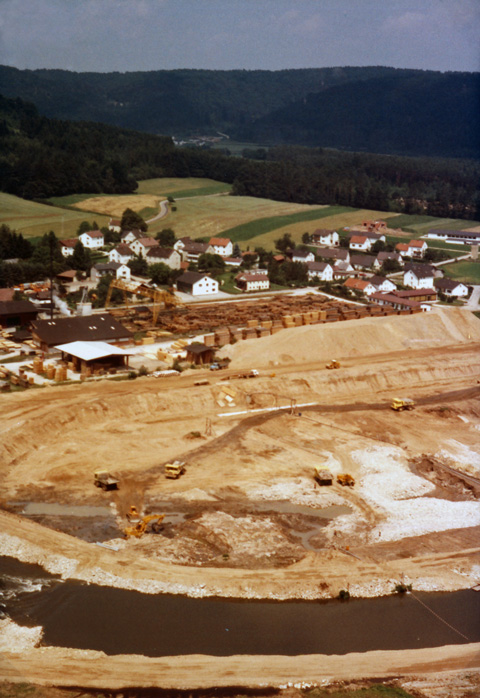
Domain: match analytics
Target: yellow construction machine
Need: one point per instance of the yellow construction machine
(402, 403)
(346, 480)
(174, 470)
(333, 364)
(157, 295)
(147, 524)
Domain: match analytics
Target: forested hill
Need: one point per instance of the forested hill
(429, 114)
(369, 108)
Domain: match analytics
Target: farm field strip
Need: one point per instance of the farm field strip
(468, 272)
(178, 187)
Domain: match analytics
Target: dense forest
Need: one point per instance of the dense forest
(374, 109)
(41, 157)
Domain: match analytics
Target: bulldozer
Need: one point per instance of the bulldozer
(333, 364)
(346, 480)
(147, 524)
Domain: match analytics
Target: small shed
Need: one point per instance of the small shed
(199, 354)
(94, 355)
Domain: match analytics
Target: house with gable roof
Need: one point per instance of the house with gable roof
(320, 270)
(121, 254)
(220, 246)
(166, 255)
(93, 239)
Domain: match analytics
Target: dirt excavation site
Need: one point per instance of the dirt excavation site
(247, 519)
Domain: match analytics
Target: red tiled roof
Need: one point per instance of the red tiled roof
(94, 233)
(416, 243)
(219, 242)
(70, 242)
(358, 239)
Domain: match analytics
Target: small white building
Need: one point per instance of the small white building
(325, 237)
(120, 271)
(320, 270)
(417, 248)
(142, 246)
(450, 287)
(115, 225)
(360, 243)
(93, 239)
(252, 281)
(383, 284)
(220, 246)
(197, 284)
(167, 256)
(418, 278)
(67, 246)
(121, 254)
(303, 256)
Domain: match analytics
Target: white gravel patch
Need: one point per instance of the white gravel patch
(16, 638)
(300, 491)
(458, 455)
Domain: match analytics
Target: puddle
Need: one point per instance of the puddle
(53, 509)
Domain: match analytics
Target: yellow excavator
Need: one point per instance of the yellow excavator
(333, 364)
(147, 524)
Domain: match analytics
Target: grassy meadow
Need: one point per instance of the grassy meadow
(33, 219)
(181, 188)
(466, 271)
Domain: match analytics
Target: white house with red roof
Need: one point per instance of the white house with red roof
(220, 246)
(360, 285)
(142, 246)
(253, 281)
(121, 254)
(93, 239)
(322, 236)
(361, 242)
(67, 246)
(417, 248)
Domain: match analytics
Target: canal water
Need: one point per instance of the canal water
(116, 621)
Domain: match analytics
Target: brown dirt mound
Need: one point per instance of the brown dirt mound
(356, 338)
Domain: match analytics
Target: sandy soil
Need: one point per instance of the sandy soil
(246, 518)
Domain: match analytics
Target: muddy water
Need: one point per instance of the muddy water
(116, 621)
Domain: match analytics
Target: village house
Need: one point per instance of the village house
(383, 284)
(427, 295)
(320, 270)
(93, 239)
(360, 243)
(362, 285)
(121, 254)
(342, 269)
(220, 246)
(116, 269)
(189, 250)
(372, 236)
(450, 287)
(325, 237)
(197, 284)
(129, 236)
(419, 276)
(383, 256)
(167, 256)
(417, 248)
(362, 261)
(402, 249)
(336, 254)
(68, 246)
(115, 225)
(253, 281)
(67, 277)
(47, 334)
(143, 245)
(303, 256)
(233, 261)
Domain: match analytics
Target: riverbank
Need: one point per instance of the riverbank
(65, 667)
(71, 558)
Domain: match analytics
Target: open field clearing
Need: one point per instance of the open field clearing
(422, 224)
(116, 205)
(468, 272)
(178, 187)
(33, 219)
(210, 216)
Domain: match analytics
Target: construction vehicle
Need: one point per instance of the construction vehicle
(333, 364)
(402, 403)
(346, 480)
(253, 373)
(148, 524)
(174, 470)
(323, 476)
(103, 479)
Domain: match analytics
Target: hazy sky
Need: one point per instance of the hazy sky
(125, 35)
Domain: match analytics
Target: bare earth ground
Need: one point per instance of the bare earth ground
(245, 517)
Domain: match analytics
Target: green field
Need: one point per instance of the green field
(419, 225)
(468, 272)
(33, 220)
(180, 188)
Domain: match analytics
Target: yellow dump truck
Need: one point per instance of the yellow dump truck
(174, 470)
(323, 476)
(402, 403)
(346, 480)
(333, 364)
(103, 479)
